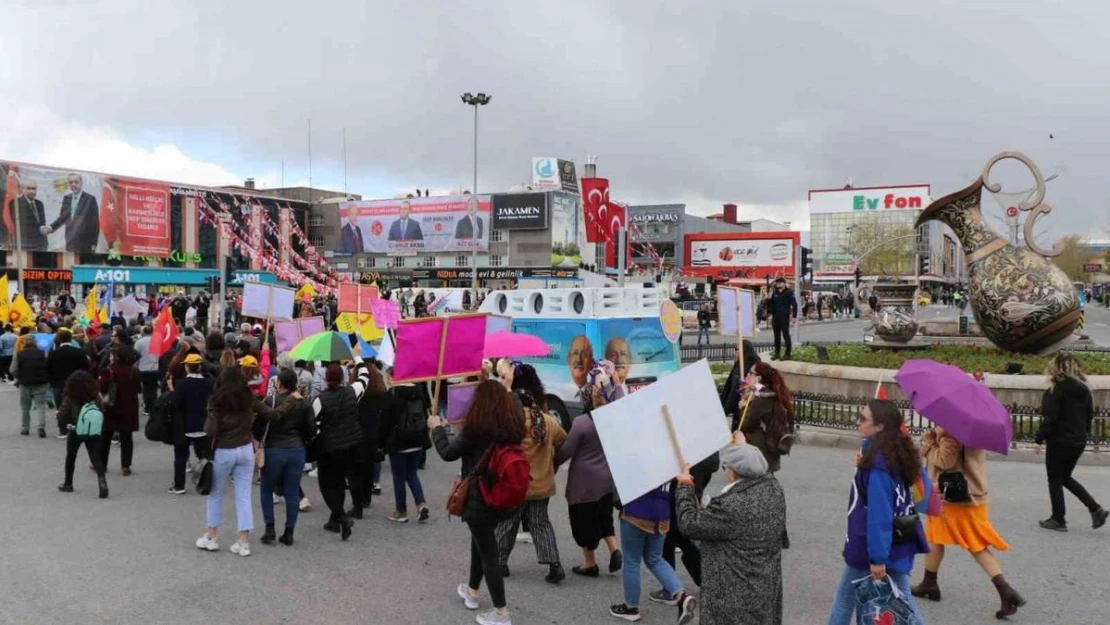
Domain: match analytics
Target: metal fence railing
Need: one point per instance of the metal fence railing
(838, 412)
(726, 352)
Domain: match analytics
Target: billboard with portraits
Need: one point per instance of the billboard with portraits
(455, 223)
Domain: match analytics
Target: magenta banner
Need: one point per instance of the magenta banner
(289, 333)
(459, 397)
(418, 347)
(386, 313)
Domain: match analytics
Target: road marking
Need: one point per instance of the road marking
(1099, 323)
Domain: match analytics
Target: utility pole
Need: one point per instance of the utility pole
(481, 99)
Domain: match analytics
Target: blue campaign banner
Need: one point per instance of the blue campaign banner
(85, 274)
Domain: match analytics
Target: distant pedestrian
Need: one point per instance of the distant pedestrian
(65, 359)
(31, 373)
(80, 413)
(121, 385)
(783, 308)
(191, 392)
(1067, 410)
(703, 324)
(337, 420)
(7, 350)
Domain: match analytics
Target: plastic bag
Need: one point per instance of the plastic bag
(881, 603)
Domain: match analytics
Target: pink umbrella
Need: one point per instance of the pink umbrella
(505, 344)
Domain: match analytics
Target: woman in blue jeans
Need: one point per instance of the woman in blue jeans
(231, 412)
(881, 491)
(404, 432)
(284, 441)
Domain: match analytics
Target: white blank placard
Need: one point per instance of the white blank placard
(264, 301)
(634, 433)
(729, 300)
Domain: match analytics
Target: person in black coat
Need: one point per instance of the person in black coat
(406, 449)
(189, 410)
(783, 308)
(1067, 410)
(63, 360)
(29, 369)
(32, 217)
(492, 420)
(338, 442)
(375, 402)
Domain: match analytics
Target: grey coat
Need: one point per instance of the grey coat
(741, 548)
(589, 478)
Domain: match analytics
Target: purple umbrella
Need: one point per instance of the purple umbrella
(954, 400)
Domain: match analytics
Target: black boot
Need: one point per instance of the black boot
(346, 525)
(287, 538)
(928, 587)
(65, 487)
(268, 536)
(355, 512)
(1011, 600)
(555, 574)
(1098, 517)
(103, 483)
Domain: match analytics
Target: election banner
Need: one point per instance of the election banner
(75, 211)
(457, 223)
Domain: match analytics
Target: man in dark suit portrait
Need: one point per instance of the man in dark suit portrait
(470, 227)
(32, 217)
(405, 229)
(80, 215)
(351, 242)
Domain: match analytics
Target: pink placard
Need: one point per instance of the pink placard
(459, 397)
(386, 313)
(418, 343)
(350, 296)
(289, 333)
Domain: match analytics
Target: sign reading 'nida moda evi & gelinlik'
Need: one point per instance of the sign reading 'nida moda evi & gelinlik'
(520, 211)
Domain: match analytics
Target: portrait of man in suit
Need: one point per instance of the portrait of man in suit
(351, 242)
(470, 227)
(405, 229)
(80, 215)
(32, 217)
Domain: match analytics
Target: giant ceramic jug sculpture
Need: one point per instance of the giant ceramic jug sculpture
(1021, 300)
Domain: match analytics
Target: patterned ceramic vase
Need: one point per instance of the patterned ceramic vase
(896, 321)
(1021, 300)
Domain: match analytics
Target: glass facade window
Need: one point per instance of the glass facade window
(397, 261)
(461, 260)
(495, 260)
(496, 236)
(429, 261)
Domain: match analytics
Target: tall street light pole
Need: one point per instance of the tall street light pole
(481, 99)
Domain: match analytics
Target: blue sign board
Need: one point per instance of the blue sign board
(83, 274)
(239, 276)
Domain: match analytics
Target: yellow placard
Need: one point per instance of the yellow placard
(348, 324)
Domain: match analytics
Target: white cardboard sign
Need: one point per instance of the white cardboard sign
(265, 301)
(735, 306)
(634, 434)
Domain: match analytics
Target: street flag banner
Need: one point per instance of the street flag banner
(5, 300)
(357, 298)
(165, 333)
(433, 348)
(289, 333)
(20, 314)
(349, 323)
(649, 434)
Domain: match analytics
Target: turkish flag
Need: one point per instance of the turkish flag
(618, 219)
(595, 203)
(165, 333)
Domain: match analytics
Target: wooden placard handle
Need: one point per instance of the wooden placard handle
(673, 435)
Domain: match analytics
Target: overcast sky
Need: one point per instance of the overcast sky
(704, 103)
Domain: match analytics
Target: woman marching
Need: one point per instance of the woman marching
(191, 392)
(121, 384)
(493, 420)
(881, 493)
(80, 415)
(963, 523)
(768, 420)
(542, 437)
(1068, 409)
(284, 440)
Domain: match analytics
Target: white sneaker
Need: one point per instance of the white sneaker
(493, 618)
(208, 544)
(314, 473)
(277, 500)
(307, 467)
(524, 537)
(305, 505)
(241, 549)
(469, 600)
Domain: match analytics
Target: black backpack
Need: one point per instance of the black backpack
(158, 426)
(412, 421)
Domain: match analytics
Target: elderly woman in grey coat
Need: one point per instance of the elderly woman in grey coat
(741, 534)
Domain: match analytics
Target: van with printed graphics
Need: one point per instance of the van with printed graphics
(637, 329)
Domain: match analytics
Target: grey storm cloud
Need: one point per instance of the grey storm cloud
(754, 102)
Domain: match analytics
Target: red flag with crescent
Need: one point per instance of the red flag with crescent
(165, 333)
(595, 208)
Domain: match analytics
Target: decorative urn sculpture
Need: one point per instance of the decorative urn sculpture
(1021, 300)
(896, 321)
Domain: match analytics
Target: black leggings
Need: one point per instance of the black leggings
(1059, 463)
(126, 447)
(92, 446)
(483, 562)
(335, 470)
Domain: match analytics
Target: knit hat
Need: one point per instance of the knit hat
(745, 460)
(193, 359)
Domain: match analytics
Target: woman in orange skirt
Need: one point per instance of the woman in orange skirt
(965, 524)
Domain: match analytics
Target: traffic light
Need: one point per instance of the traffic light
(213, 284)
(859, 277)
(926, 265)
(806, 264)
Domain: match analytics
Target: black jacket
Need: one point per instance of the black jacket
(64, 360)
(1067, 410)
(469, 452)
(371, 409)
(783, 304)
(394, 441)
(703, 318)
(295, 429)
(190, 406)
(337, 417)
(730, 392)
(32, 366)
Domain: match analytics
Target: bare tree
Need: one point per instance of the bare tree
(1073, 257)
(888, 248)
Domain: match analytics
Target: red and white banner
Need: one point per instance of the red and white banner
(595, 202)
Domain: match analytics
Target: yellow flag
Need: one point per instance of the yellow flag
(91, 301)
(306, 291)
(5, 304)
(347, 323)
(20, 313)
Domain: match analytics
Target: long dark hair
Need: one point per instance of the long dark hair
(79, 390)
(525, 378)
(232, 393)
(902, 459)
(773, 380)
(493, 417)
(538, 425)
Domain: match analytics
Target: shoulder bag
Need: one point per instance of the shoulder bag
(202, 474)
(460, 490)
(953, 484)
(260, 446)
(108, 398)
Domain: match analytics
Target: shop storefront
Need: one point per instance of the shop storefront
(657, 234)
(44, 283)
(237, 278)
(495, 278)
(142, 281)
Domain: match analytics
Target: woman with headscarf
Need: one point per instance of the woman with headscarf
(740, 535)
(120, 385)
(590, 489)
(340, 434)
(1068, 409)
(732, 391)
(768, 420)
(542, 437)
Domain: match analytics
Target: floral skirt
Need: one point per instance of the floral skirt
(964, 525)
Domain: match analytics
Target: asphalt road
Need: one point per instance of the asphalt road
(71, 558)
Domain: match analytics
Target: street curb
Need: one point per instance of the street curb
(812, 436)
